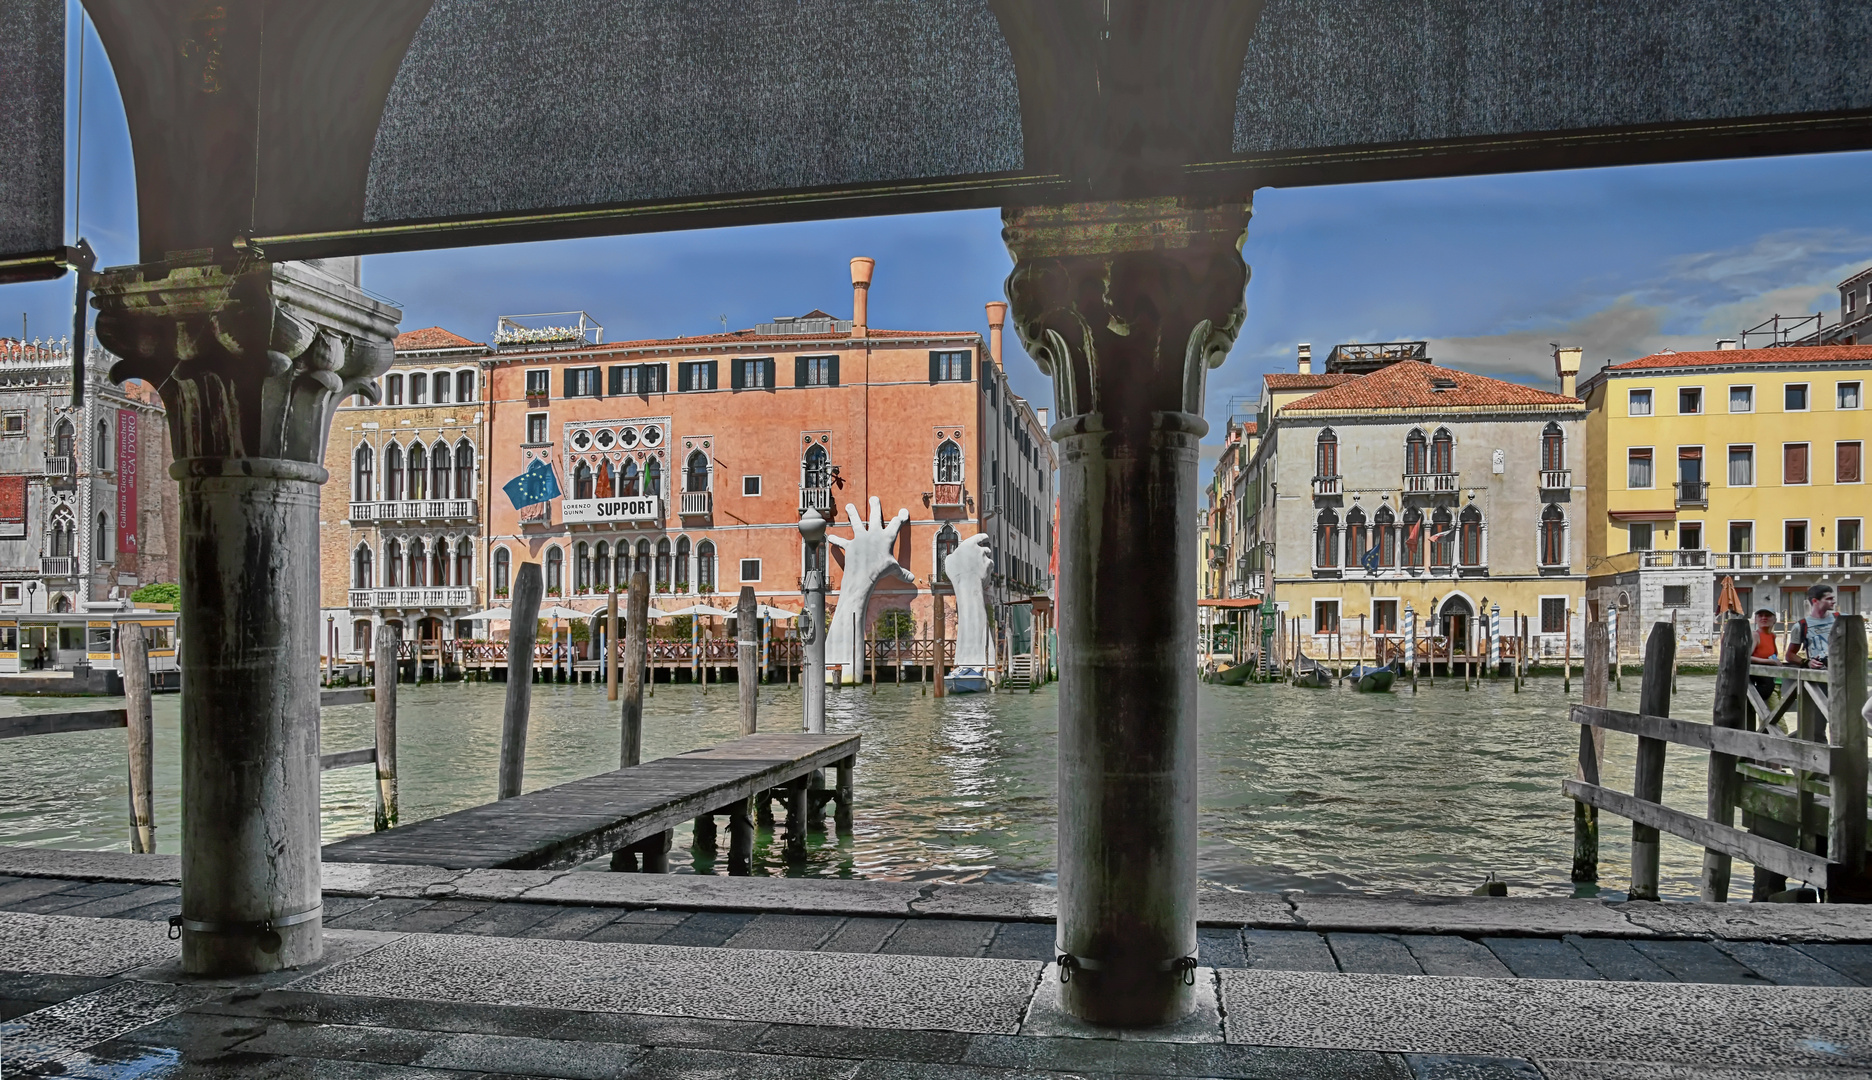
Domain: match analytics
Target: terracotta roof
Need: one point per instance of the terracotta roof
(1292, 380)
(433, 337)
(1792, 354)
(741, 337)
(1408, 386)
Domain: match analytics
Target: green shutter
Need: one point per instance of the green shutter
(769, 381)
(616, 376)
(968, 366)
(735, 377)
(710, 382)
(568, 382)
(833, 379)
(799, 371)
(935, 359)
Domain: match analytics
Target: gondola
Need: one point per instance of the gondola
(1372, 680)
(1309, 673)
(1234, 675)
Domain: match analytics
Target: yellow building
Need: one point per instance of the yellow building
(1743, 463)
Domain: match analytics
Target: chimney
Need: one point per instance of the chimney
(1306, 359)
(997, 315)
(1725, 344)
(861, 290)
(1566, 362)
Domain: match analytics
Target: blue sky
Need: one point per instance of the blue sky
(1619, 261)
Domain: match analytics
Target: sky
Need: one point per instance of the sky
(1491, 270)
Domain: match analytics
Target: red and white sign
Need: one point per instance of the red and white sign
(127, 482)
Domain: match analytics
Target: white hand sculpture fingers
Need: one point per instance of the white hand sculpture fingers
(877, 513)
(839, 540)
(896, 523)
(851, 515)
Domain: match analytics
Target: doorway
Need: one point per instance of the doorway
(1454, 621)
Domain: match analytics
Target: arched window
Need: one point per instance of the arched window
(643, 558)
(393, 563)
(363, 465)
(627, 489)
(555, 571)
(1385, 524)
(621, 565)
(441, 381)
(101, 448)
(663, 565)
(100, 539)
(696, 472)
(439, 459)
(582, 481)
(1326, 454)
(948, 462)
(503, 571)
(581, 567)
(1442, 540)
(361, 637)
(464, 562)
(946, 543)
(464, 469)
(1553, 545)
(418, 388)
(439, 564)
(1326, 539)
(705, 566)
(361, 568)
(393, 390)
(1414, 538)
(1416, 453)
(464, 386)
(606, 488)
(63, 438)
(393, 473)
(1471, 538)
(414, 476)
(601, 567)
(1356, 537)
(418, 564)
(682, 565)
(817, 467)
(1443, 452)
(1552, 447)
(653, 478)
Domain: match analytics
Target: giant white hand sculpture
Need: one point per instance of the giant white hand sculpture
(967, 567)
(868, 560)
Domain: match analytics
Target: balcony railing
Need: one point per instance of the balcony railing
(948, 495)
(1775, 561)
(1692, 493)
(1675, 559)
(813, 498)
(415, 510)
(57, 566)
(59, 470)
(415, 596)
(697, 503)
(1442, 483)
(1556, 479)
(1327, 485)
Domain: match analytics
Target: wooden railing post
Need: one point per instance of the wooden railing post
(1846, 733)
(1731, 711)
(1591, 747)
(141, 738)
(1654, 697)
(385, 698)
(522, 630)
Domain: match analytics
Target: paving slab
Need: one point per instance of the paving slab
(977, 995)
(979, 901)
(1287, 950)
(803, 933)
(571, 923)
(1605, 1070)
(135, 896)
(1443, 954)
(863, 935)
(1227, 907)
(1267, 1062)
(1459, 915)
(61, 945)
(379, 914)
(1697, 961)
(528, 1056)
(666, 1063)
(867, 1044)
(710, 929)
(1046, 1018)
(1680, 1023)
(1470, 1067)
(1378, 954)
(1220, 946)
(1753, 922)
(1064, 1055)
(1034, 941)
(1853, 961)
(506, 919)
(91, 865)
(21, 890)
(940, 937)
(52, 1039)
(1540, 958)
(1784, 965)
(1617, 959)
(794, 896)
(383, 879)
(494, 884)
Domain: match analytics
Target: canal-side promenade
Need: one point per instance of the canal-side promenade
(433, 973)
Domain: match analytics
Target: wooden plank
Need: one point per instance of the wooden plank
(1789, 671)
(58, 723)
(1772, 748)
(1846, 731)
(1767, 854)
(356, 695)
(1654, 698)
(1729, 717)
(346, 758)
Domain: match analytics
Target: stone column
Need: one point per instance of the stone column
(251, 359)
(1127, 305)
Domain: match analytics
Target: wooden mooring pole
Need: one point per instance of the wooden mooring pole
(141, 739)
(385, 699)
(1566, 666)
(636, 657)
(522, 631)
(611, 648)
(939, 631)
(1654, 698)
(1730, 711)
(1846, 732)
(1591, 753)
(747, 660)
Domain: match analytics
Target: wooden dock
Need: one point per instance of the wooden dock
(564, 826)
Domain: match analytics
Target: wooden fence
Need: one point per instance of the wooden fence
(1802, 792)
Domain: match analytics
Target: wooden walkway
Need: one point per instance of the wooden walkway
(564, 826)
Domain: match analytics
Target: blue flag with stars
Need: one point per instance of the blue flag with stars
(1371, 558)
(537, 485)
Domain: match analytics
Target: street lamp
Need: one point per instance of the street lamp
(812, 628)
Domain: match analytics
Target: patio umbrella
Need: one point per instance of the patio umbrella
(1728, 600)
(702, 609)
(770, 612)
(557, 612)
(493, 614)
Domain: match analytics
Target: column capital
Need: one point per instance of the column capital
(1127, 305)
(251, 358)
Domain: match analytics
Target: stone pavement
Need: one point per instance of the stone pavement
(435, 973)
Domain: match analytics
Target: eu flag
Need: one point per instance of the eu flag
(537, 485)
(1371, 558)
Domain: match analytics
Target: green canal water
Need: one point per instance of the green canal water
(1301, 789)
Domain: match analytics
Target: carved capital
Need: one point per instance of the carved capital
(252, 358)
(1127, 305)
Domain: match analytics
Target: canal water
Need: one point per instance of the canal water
(1301, 789)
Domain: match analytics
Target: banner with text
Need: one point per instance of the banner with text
(127, 482)
(597, 511)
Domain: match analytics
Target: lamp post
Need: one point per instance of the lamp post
(812, 528)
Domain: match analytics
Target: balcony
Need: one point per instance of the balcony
(415, 510)
(698, 503)
(1442, 483)
(415, 596)
(815, 498)
(1774, 562)
(1328, 485)
(60, 470)
(1692, 493)
(948, 496)
(1556, 479)
(1675, 559)
(57, 566)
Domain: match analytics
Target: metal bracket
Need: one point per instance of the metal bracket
(264, 929)
(1184, 966)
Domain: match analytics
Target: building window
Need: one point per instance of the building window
(1741, 466)
(653, 478)
(363, 463)
(753, 374)
(1553, 614)
(1553, 448)
(1676, 596)
(581, 382)
(555, 571)
(682, 564)
(581, 566)
(393, 473)
(1355, 539)
(101, 448)
(13, 423)
(393, 390)
(1848, 395)
(10, 593)
(1640, 536)
(539, 383)
(464, 386)
(1846, 463)
(536, 429)
(418, 568)
(1471, 537)
(663, 565)
(1325, 616)
(1690, 472)
(1326, 455)
(949, 366)
(1640, 403)
(1638, 467)
(1442, 540)
(705, 566)
(464, 469)
(946, 543)
(1553, 545)
(1741, 399)
(414, 475)
(1741, 537)
(695, 375)
(750, 569)
(439, 564)
(696, 472)
(948, 463)
(464, 562)
(1794, 398)
(1850, 535)
(1794, 463)
(582, 481)
(750, 486)
(1326, 539)
(418, 388)
(1443, 452)
(1414, 538)
(439, 462)
(1385, 527)
(1416, 453)
(393, 563)
(1384, 616)
(815, 371)
(442, 384)
(1689, 400)
(361, 577)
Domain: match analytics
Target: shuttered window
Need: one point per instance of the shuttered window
(755, 374)
(949, 366)
(581, 382)
(815, 371)
(1794, 463)
(696, 375)
(1846, 462)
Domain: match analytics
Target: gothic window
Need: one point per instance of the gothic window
(418, 564)
(621, 565)
(1326, 454)
(100, 539)
(361, 567)
(682, 565)
(817, 467)
(601, 567)
(439, 564)
(1416, 453)
(663, 565)
(414, 475)
(582, 481)
(1357, 538)
(363, 463)
(1386, 526)
(393, 473)
(1443, 452)
(393, 563)
(948, 462)
(503, 570)
(1412, 538)
(1471, 539)
(628, 487)
(464, 562)
(696, 472)
(63, 438)
(653, 478)
(581, 566)
(643, 557)
(555, 571)
(705, 566)
(439, 459)
(1552, 448)
(1553, 546)
(101, 448)
(464, 469)
(607, 488)
(1326, 539)
(62, 536)
(1442, 540)
(946, 543)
